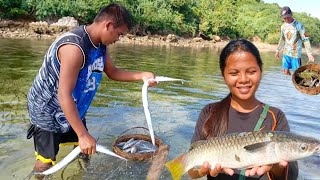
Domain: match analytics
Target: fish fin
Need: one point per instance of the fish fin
(198, 143)
(256, 146)
(177, 167)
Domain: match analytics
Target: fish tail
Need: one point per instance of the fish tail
(177, 167)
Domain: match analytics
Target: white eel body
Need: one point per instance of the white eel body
(72, 155)
(99, 148)
(146, 104)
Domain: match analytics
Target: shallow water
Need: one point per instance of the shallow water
(118, 107)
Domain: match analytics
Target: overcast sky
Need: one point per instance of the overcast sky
(311, 7)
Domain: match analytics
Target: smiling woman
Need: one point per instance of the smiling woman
(240, 111)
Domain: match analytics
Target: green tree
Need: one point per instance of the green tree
(13, 9)
(232, 18)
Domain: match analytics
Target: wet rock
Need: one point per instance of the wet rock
(6, 23)
(256, 39)
(203, 36)
(197, 39)
(172, 38)
(64, 24)
(216, 38)
(39, 27)
(130, 36)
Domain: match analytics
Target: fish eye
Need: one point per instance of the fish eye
(303, 147)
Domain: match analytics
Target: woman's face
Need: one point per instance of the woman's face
(242, 75)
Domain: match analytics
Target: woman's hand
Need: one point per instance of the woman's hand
(207, 170)
(263, 169)
(258, 170)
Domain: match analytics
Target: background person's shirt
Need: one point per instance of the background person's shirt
(292, 36)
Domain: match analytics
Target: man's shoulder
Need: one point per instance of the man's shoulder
(298, 24)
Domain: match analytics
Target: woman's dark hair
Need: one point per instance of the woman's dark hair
(238, 45)
(216, 123)
(115, 12)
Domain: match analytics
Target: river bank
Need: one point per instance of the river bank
(23, 30)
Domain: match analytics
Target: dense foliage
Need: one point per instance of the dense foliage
(232, 18)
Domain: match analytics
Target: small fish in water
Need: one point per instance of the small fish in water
(245, 150)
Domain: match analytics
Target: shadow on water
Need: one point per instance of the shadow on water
(117, 106)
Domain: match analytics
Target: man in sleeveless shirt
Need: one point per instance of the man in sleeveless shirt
(292, 35)
(65, 86)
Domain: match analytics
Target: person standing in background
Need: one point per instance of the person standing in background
(292, 35)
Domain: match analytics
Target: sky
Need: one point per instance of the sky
(311, 7)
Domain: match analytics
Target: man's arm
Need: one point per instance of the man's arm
(306, 42)
(71, 61)
(118, 74)
(280, 44)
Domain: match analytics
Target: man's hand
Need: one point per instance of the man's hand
(87, 144)
(277, 55)
(311, 58)
(150, 78)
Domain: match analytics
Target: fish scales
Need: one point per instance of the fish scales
(245, 150)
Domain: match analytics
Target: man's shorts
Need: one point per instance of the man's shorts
(290, 62)
(47, 143)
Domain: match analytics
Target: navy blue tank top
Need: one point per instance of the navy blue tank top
(43, 104)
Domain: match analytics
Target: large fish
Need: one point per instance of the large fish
(145, 103)
(245, 150)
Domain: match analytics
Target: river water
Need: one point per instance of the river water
(118, 107)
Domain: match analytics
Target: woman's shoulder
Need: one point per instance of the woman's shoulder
(208, 108)
(275, 110)
(206, 111)
(280, 121)
(210, 105)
